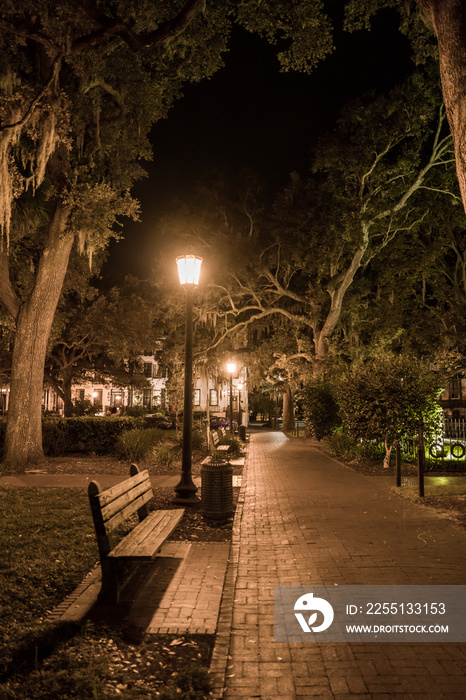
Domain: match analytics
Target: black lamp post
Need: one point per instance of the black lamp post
(231, 369)
(189, 268)
(240, 411)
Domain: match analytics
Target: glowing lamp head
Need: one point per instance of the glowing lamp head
(189, 269)
(231, 367)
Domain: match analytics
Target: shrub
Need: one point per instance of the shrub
(90, 434)
(158, 421)
(234, 442)
(135, 444)
(198, 438)
(353, 450)
(54, 437)
(343, 445)
(384, 399)
(83, 407)
(372, 450)
(163, 455)
(320, 410)
(134, 411)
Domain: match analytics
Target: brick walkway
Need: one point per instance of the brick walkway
(305, 519)
(185, 598)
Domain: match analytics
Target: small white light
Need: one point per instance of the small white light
(189, 269)
(231, 367)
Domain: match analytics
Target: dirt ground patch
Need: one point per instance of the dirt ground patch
(194, 527)
(108, 464)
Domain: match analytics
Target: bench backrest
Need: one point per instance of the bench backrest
(110, 508)
(215, 438)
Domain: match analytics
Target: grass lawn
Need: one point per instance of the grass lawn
(447, 498)
(48, 546)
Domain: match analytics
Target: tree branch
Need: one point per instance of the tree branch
(8, 296)
(436, 189)
(174, 27)
(264, 313)
(27, 34)
(54, 69)
(165, 32)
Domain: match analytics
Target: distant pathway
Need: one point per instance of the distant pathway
(306, 519)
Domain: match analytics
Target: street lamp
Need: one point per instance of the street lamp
(189, 268)
(231, 369)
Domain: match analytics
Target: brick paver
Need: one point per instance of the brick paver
(191, 600)
(303, 518)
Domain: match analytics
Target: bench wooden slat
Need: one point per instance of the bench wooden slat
(147, 538)
(122, 501)
(126, 512)
(113, 492)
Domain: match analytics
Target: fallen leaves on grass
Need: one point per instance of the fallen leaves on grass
(98, 662)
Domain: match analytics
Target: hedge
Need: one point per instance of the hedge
(90, 434)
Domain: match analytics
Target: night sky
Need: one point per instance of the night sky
(249, 115)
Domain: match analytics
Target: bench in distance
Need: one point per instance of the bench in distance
(217, 446)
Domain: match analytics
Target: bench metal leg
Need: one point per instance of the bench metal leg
(110, 590)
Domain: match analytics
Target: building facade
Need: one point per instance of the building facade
(453, 398)
(211, 393)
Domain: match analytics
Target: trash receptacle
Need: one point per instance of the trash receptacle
(242, 432)
(217, 489)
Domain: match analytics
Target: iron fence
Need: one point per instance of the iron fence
(446, 453)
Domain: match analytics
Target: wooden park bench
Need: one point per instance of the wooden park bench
(216, 443)
(112, 508)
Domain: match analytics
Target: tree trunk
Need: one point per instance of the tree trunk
(388, 452)
(448, 18)
(337, 295)
(68, 408)
(288, 409)
(23, 438)
(320, 345)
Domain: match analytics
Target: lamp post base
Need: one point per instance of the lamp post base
(185, 493)
(191, 501)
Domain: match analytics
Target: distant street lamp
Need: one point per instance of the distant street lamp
(189, 268)
(231, 370)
